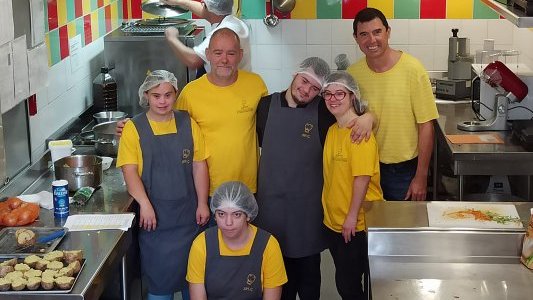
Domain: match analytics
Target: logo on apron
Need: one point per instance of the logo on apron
(307, 130)
(185, 156)
(250, 279)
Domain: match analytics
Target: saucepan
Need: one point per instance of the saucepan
(106, 116)
(105, 140)
(79, 171)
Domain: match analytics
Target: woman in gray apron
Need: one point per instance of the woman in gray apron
(235, 260)
(172, 188)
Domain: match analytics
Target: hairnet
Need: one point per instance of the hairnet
(234, 194)
(345, 79)
(219, 7)
(154, 79)
(316, 68)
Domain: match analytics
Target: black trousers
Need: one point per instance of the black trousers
(351, 265)
(304, 278)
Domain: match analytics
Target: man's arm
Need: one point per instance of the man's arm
(197, 291)
(418, 187)
(195, 7)
(184, 53)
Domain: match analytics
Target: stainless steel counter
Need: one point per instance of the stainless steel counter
(104, 250)
(478, 159)
(410, 260)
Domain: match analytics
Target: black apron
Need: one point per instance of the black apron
(234, 277)
(290, 179)
(168, 181)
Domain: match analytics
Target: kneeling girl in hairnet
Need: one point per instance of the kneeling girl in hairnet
(235, 260)
(163, 159)
(351, 176)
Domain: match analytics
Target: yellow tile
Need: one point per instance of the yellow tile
(94, 25)
(71, 29)
(86, 7)
(459, 9)
(47, 41)
(304, 10)
(62, 12)
(106, 2)
(149, 16)
(114, 15)
(386, 6)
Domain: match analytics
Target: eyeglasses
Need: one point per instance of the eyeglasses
(339, 95)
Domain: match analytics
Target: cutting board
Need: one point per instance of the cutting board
(473, 215)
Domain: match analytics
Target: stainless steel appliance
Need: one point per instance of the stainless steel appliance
(139, 47)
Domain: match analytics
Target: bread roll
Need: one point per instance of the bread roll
(33, 283)
(4, 284)
(33, 273)
(54, 265)
(72, 255)
(75, 266)
(47, 282)
(18, 284)
(5, 269)
(54, 255)
(22, 267)
(11, 262)
(32, 260)
(25, 237)
(41, 264)
(64, 282)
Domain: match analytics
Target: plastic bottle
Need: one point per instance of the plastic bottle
(105, 91)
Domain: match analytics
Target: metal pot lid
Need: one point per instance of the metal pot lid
(177, 22)
(157, 8)
(105, 128)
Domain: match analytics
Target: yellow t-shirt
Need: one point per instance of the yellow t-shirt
(272, 269)
(226, 116)
(344, 160)
(400, 98)
(129, 148)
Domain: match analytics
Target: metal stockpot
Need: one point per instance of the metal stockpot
(105, 140)
(79, 171)
(106, 116)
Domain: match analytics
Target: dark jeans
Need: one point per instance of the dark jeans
(396, 178)
(351, 265)
(304, 278)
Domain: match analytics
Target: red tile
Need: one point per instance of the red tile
(351, 7)
(100, 3)
(125, 14)
(63, 41)
(432, 9)
(52, 14)
(78, 8)
(276, 12)
(107, 18)
(136, 12)
(87, 29)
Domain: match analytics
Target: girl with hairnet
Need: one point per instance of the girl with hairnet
(163, 159)
(351, 176)
(235, 260)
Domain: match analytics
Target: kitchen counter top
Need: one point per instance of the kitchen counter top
(410, 260)
(103, 250)
(508, 158)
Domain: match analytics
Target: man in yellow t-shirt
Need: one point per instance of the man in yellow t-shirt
(223, 103)
(398, 92)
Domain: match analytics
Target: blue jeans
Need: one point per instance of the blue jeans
(184, 294)
(396, 178)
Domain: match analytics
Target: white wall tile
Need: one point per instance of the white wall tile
(501, 31)
(319, 32)
(349, 50)
(424, 53)
(399, 31)
(293, 32)
(265, 35)
(475, 30)
(292, 56)
(322, 51)
(443, 30)
(342, 32)
(421, 32)
(57, 79)
(440, 59)
(272, 78)
(269, 57)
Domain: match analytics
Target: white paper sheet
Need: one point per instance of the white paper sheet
(99, 222)
(7, 32)
(7, 84)
(37, 24)
(20, 70)
(75, 46)
(38, 68)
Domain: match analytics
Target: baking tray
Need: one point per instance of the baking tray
(9, 247)
(40, 290)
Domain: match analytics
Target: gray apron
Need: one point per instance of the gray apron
(168, 181)
(234, 277)
(290, 179)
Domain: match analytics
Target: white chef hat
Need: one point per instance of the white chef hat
(154, 79)
(345, 79)
(314, 67)
(234, 194)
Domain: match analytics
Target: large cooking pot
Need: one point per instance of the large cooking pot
(79, 171)
(105, 140)
(106, 116)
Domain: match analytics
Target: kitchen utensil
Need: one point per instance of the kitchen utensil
(271, 20)
(106, 162)
(155, 7)
(105, 139)
(284, 6)
(44, 239)
(106, 116)
(9, 247)
(79, 171)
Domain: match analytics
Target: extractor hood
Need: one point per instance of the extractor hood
(512, 14)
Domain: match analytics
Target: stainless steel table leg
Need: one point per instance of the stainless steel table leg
(123, 278)
(461, 187)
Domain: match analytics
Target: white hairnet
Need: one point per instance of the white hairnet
(316, 68)
(234, 194)
(219, 7)
(154, 79)
(345, 79)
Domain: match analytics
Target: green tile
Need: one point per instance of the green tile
(80, 29)
(119, 12)
(328, 9)
(101, 22)
(407, 9)
(53, 38)
(46, 28)
(71, 10)
(253, 9)
(94, 5)
(481, 11)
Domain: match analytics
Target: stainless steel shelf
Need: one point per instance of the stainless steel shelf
(512, 14)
